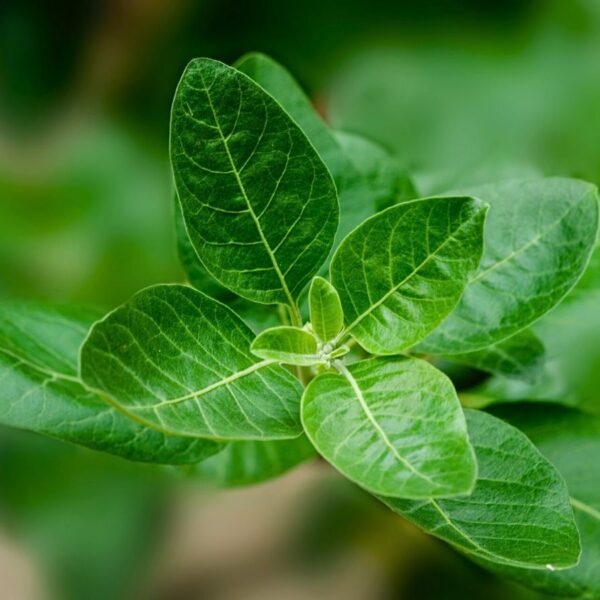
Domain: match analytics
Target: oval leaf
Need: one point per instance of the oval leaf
(181, 362)
(401, 272)
(260, 206)
(326, 315)
(538, 240)
(41, 391)
(519, 512)
(290, 345)
(391, 424)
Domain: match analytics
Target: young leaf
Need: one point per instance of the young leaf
(538, 240)
(394, 426)
(326, 315)
(519, 512)
(518, 357)
(260, 206)
(568, 439)
(247, 463)
(290, 345)
(401, 272)
(180, 361)
(41, 392)
(366, 177)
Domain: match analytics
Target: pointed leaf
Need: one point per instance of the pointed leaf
(181, 362)
(519, 512)
(290, 345)
(401, 272)
(260, 206)
(568, 439)
(326, 315)
(41, 392)
(394, 426)
(247, 463)
(538, 241)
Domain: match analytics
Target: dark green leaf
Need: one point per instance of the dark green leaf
(290, 345)
(394, 426)
(519, 513)
(326, 315)
(40, 390)
(259, 205)
(401, 272)
(179, 361)
(538, 240)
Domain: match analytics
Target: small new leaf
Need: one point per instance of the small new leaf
(326, 314)
(289, 345)
(394, 426)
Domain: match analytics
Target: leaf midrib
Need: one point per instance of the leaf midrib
(236, 173)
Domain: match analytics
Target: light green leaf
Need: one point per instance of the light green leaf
(290, 345)
(394, 426)
(538, 240)
(40, 390)
(179, 361)
(519, 512)
(247, 463)
(326, 315)
(260, 206)
(569, 439)
(401, 272)
(366, 177)
(518, 357)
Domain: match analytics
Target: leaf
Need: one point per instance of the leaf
(259, 205)
(290, 345)
(568, 439)
(519, 512)
(248, 463)
(538, 241)
(326, 315)
(366, 177)
(401, 272)
(518, 357)
(40, 390)
(394, 426)
(180, 361)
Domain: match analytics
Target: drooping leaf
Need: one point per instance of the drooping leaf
(259, 205)
(519, 512)
(518, 357)
(401, 272)
(366, 177)
(326, 315)
(40, 390)
(247, 463)
(392, 425)
(290, 345)
(538, 240)
(570, 440)
(181, 362)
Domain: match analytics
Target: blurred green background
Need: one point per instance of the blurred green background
(458, 90)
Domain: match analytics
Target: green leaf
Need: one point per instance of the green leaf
(259, 205)
(180, 361)
(247, 463)
(538, 240)
(569, 439)
(290, 345)
(519, 512)
(519, 357)
(366, 177)
(401, 272)
(40, 390)
(394, 426)
(326, 315)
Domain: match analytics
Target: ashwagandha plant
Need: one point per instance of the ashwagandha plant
(357, 288)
